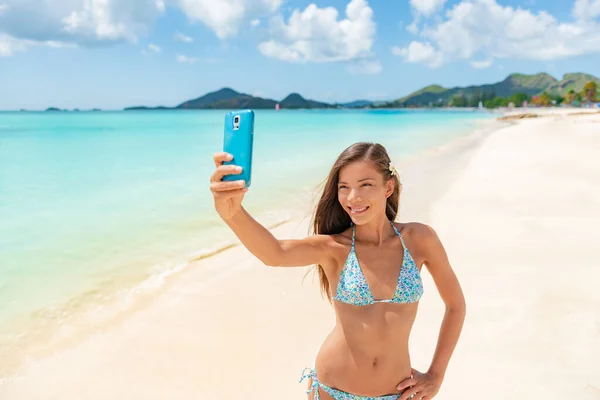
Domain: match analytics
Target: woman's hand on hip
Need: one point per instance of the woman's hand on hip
(423, 386)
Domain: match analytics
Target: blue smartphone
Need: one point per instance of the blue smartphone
(239, 141)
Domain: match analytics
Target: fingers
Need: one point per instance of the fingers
(419, 386)
(418, 390)
(221, 157)
(228, 189)
(407, 395)
(406, 383)
(410, 391)
(223, 170)
(218, 187)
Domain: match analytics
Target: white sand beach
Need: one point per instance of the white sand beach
(518, 211)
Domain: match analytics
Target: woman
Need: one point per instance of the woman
(369, 268)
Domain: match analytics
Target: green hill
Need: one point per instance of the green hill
(572, 82)
(520, 83)
(210, 98)
(515, 83)
(227, 98)
(428, 91)
(356, 104)
(295, 101)
(531, 85)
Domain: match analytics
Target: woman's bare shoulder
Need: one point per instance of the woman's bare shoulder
(334, 242)
(419, 237)
(336, 245)
(415, 230)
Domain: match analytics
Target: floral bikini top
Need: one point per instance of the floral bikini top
(354, 289)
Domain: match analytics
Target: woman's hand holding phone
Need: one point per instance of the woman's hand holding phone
(228, 195)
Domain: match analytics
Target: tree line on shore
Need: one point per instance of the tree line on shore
(588, 95)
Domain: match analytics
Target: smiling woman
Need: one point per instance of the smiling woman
(355, 190)
(366, 356)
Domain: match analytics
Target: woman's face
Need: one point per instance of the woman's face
(363, 192)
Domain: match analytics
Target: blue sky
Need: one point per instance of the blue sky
(116, 53)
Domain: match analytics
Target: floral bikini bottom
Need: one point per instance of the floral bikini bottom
(338, 394)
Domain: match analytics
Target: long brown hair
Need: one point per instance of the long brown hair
(330, 218)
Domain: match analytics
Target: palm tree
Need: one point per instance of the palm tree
(589, 91)
(570, 97)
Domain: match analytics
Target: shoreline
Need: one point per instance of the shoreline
(263, 325)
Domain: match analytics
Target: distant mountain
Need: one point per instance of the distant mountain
(428, 90)
(295, 101)
(519, 83)
(572, 82)
(142, 108)
(357, 104)
(229, 99)
(226, 98)
(210, 98)
(515, 83)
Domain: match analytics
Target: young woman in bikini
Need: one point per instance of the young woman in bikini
(369, 267)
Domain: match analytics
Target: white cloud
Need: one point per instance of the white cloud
(490, 30)
(182, 38)
(94, 22)
(9, 45)
(225, 16)
(185, 59)
(277, 50)
(317, 35)
(255, 22)
(413, 27)
(77, 22)
(365, 67)
(423, 8)
(482, 64)
(419, 52)
(586, 9)
(152, 48)
(427, 7)
(111, 19)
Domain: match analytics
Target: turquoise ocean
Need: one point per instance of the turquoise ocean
(96, 206)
